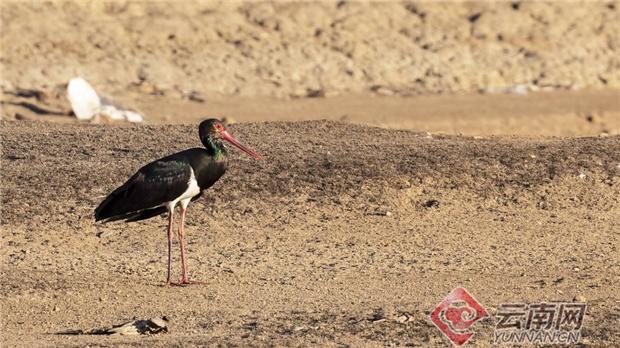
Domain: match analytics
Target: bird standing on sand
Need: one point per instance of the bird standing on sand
(176, 179)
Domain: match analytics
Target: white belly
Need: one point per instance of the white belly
(192, 191)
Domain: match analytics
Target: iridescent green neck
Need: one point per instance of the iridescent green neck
(214, 147)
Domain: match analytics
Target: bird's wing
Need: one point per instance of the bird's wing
(155, 184)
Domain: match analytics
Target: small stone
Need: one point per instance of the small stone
(105, 234)
(56, 309)
(250, 326)
(579, 298)
(431, 203)
(380, 213)
(378, 316)
(382, 90)
(404, 318)
(147, 88)
(315, 93)
(196, 97)
(228, 120)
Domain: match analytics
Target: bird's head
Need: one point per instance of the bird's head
(213, 130)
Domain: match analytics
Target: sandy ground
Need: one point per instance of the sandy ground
(307, 246)
(345, 227)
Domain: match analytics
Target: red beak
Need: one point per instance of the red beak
(226, 136)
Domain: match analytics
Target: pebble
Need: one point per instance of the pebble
(196, 97)
(431, 203)
(404, 318)
(382, 90)
(147, 88)
(227, 120)
(105, 234)
(579, 298)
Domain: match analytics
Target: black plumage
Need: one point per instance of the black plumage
(180, 178)
(160, 182)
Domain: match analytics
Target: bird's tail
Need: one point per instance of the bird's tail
(116, 206)
(108, 209)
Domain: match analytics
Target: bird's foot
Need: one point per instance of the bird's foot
(185, 281)
(181, 283)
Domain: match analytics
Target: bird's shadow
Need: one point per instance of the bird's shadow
(37, 109)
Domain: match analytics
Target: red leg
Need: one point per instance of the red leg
(170, 220)
(184, 277)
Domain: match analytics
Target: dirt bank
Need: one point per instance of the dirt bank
(300, 49)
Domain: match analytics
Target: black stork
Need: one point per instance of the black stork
(180, 178)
